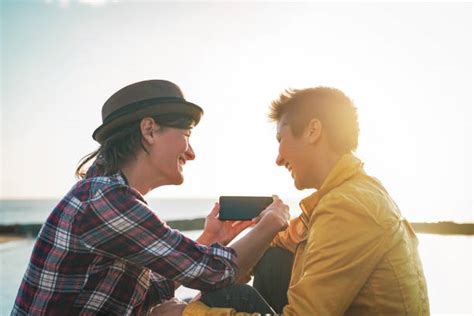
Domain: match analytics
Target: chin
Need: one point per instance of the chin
(176, 179)
(298, 185)
(179, 181)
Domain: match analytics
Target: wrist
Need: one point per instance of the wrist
(271, 223)
(206, 238)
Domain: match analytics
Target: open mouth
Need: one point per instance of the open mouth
(290, 170)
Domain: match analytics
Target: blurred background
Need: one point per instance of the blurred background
(406, 66)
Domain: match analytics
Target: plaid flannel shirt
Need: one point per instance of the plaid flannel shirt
(103, 251)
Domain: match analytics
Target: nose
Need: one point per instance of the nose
(279, 161)
(190, 155)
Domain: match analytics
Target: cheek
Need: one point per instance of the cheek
(295, 156)
(289, 150)
(179, 146)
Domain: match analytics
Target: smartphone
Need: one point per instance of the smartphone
(242, 207)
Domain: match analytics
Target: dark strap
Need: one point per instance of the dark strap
(136, 106)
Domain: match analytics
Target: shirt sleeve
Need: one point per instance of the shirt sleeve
(117, 223)
(343, 247)
(161, 288)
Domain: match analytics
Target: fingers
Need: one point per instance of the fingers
(215, 210)
(170, 307)
(242, 225)
(277, 212)
(276, 201)
(239, 226)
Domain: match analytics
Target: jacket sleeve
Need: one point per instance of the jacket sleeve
(344, 245)
(290, 237)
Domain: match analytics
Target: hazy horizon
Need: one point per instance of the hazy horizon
(407, 67)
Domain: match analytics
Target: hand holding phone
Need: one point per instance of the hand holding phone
(276, 215)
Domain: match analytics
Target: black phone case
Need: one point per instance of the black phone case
(242, 207)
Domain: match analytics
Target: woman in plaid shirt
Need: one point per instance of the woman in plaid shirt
(103, 251)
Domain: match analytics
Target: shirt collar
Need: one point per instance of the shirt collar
(120, 177)
(347, 166)
(96, 170)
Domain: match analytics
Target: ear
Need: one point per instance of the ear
(147, 125)
(313, 131)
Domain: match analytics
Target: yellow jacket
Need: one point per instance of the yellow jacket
(354, 253)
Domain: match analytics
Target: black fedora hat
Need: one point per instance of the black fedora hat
(142, 99)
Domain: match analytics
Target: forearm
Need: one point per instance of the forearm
(251, 247)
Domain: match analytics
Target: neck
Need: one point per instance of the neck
(139, 176)
(324, 166)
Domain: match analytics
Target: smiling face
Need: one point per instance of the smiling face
(294, 154)
(316, 126)
(169, 153)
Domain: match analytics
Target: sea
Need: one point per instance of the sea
(447, 259)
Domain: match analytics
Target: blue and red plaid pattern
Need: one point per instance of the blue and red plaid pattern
(103, 251)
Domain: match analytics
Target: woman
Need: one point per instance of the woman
(102, 250)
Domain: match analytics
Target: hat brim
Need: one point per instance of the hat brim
(187, 108)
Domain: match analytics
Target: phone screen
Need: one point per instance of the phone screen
(242, 207)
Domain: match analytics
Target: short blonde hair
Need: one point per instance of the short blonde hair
(332, 107)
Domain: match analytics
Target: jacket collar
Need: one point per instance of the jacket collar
(345, 168)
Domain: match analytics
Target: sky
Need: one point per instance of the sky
(406, 66)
